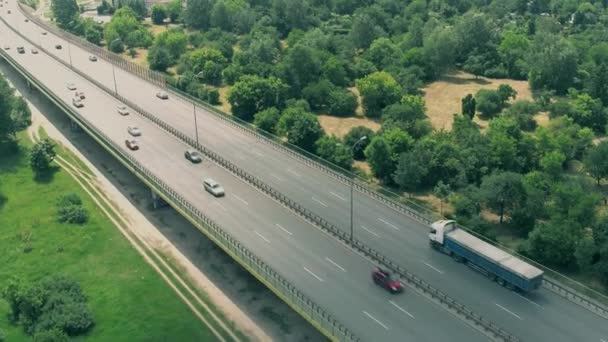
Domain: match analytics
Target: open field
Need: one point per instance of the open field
(443, 97)
(128, 299)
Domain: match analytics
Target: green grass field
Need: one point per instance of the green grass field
(129, 301)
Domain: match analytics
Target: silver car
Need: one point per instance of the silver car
(71, 86)
(123, 110)
(213, 187)
(162, 95)
(77, 102)
(134, 131)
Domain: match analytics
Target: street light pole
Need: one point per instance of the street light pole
(114, 76)
(70, 54)
(352, 186)
(195, 124)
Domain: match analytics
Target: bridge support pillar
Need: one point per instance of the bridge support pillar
(157, 201)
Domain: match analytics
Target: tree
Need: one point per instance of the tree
(379, 157)
(221, 16)
(52, 335)
(502, 192)
(159, 14)
(138, 7)
(513, 50)
(7, 125)
(207, 63)
(468, 106)
(332, 150)
(573, 201)
(523, 112)
(554, 242)
(267, 119)
(475, 65)
(252, 94)
(378, 90)
(159, 58)
(317, 94)
(355, 134)
(124, 21)
(41, 155)
(553, 63)
(489, 102)
(117, 46)
(65, 12)
(410, 172)
(342, 102)
(596, 161)
(70, 210)
(301, 128)
(197, 14)
(20, 114)
(553, 163)
(174, 10)
(442, 191)
(175, 41)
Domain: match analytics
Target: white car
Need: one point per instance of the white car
(134, 131)
(34, 51)
(213, 187)
(71, 86)
(162, 95)
(93, 58)
(123, 110)
(77, 102)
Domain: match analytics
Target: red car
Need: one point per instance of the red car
(383, 278)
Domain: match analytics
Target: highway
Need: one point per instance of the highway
(541, 316)
(326, 270)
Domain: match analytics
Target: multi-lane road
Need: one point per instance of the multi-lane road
(325, 270)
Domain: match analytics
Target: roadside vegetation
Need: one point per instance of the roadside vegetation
(67, 272)
(541, 189)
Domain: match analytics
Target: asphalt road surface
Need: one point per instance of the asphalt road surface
(327, 271)
(540, 316)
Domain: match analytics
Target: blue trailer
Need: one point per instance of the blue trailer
(495, 263)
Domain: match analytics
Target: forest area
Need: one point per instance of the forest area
(539, 189)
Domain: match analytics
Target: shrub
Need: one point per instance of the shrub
(70, 210)
(342, 103)
(117, 46)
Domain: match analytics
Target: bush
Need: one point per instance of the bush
(342, 103)
(117, 46)
(159, 14)
(267, 119)
(41, 155)
(70, 210)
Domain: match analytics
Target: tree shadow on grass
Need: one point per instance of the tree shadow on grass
(464, 80)
(11, 156)
(3, 200)
(46, 176)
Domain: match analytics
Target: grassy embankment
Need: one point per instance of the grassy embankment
(129, 301)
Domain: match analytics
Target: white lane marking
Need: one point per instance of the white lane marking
(276, 177)
(335, 264)
(318, 201)
(221, 206)
(293, 172)
(240, 199)
(370, 231)
(388, 223)
(262, 237)
(509, 311)
(376, 320)
(258, 153)
(335, 194)
(400, 308)
(433, 267)
(529, 300)
(283, 229)
(314, 275)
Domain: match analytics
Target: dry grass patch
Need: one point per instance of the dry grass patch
(363, 166)
(443, 97)
(542, 119)
(225, 105)
(157, 29)
(141, 58)
(341, 126)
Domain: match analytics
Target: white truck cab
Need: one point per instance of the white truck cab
(439, 229)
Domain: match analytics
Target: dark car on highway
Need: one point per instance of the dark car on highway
(193, 156)
(384, 279)
(132, 144)
(58, 46)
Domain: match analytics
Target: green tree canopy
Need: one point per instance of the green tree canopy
(252, 94)
(378, 90)
(502, 192)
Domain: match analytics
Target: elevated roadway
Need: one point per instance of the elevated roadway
(540, 316)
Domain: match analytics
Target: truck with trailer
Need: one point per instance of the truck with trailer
(506, 269)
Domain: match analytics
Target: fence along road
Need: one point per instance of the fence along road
(385, 227)
(345, 289)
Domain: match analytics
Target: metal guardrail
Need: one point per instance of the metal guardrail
(340, 174)
(476, 320)
(318, 316)
(116, 59)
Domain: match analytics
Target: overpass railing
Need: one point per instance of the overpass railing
(314, 313)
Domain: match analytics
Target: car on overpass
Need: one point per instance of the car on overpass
(134, 131)
(162, 95)
(77, 102)
(44, 33)
(384, 279)
(193, 156)
(93, 58)
(80, 94)
(123, 110)
(132, 144)
(58, 46)
(71, 86)
(7, 47)
(34, 51)
(21, 49)
(213, 187)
